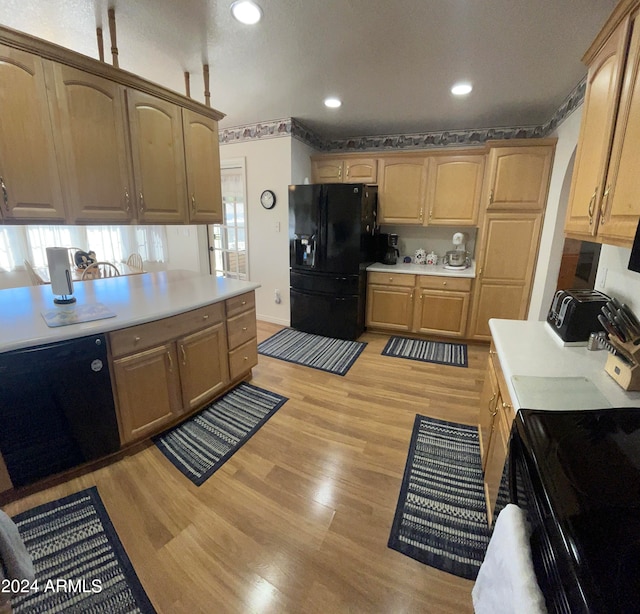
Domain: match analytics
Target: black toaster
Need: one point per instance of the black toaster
(574, 314)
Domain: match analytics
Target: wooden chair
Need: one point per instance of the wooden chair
(100, 270)
(35, 279)
(135, 261)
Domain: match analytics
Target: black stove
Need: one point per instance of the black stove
(577, 474)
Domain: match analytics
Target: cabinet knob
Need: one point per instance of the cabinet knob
(5, 195)
(127, 200)
(244, 328)
(444, 283)
(193, 203)
(390, 278)
(205, 317)
(141, 202)
(244, 302)
(246, 358)
(136, 339)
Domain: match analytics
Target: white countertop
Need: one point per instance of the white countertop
(134, 299)
(422, 269)
(533, 349)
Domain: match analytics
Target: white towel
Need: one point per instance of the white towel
(506, 582)
(15, 562)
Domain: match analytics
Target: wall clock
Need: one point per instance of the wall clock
(268, 199)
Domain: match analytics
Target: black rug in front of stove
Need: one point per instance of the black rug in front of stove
(439, 352)
(441, 517)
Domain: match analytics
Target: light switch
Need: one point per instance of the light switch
(277, 226)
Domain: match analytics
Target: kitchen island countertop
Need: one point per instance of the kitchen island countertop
(135, 299)
(527, 348)
(422, 269)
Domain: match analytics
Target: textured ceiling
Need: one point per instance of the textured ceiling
(392, 62)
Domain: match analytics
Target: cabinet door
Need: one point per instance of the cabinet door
(506, 266)
(488, 410)
(90, 126)
(401, 190)
(157, 147)
(202, 154)
(204, 365)
(29, 180)
(620, 203)
(519, 178)
(442, 313)
(148, 388)
(390, 307)
(496, 456)
(327, 171)
(361, 170)
(455, 188)
(596, 130)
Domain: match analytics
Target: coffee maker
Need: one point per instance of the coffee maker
(391, 253)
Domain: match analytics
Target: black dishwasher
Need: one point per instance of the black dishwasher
(56, 408)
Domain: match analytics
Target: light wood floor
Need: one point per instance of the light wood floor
(298, 519)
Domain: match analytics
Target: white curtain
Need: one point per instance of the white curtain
(113, 243)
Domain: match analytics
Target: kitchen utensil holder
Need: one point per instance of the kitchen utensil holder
(625, 373)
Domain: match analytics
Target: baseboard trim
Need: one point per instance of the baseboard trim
(272, 320)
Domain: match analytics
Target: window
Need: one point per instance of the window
(228, 241)
(112, 243)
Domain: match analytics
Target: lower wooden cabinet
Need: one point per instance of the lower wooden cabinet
(170, 367)
(148, 391)
(495, 418)
(5, 480)
(418, 303)
(204, 368)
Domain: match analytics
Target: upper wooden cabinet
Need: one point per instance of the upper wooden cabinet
(454, 189)
(594, 144)
(90, 119)
(344, 170)
(402, 184)
(30, 186)
(202, 154)
(620, 208)
(518, 176)
(109, 145)
(158, 159)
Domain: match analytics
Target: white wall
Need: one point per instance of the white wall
(613, 277)
(268, 166)
(552, 239)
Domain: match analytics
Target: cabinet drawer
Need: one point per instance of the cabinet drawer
(434, 282)
(392, 279)
(243, 358)
(144, 336)
(240, 303)
(241, 328)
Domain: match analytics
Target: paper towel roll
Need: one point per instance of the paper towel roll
(59, 271)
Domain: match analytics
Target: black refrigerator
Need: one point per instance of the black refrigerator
(332, 231)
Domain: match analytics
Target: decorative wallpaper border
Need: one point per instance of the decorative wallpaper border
(423, 140)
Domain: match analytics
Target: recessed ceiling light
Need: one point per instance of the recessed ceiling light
(246, 12)
(461, 89)
(332, 103)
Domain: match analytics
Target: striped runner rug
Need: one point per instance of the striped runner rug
(324, 353)
(454, 354)
(202, 444)
(441, 517)
(80, 563)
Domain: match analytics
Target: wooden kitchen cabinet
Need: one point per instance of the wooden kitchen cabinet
(90, 119)
(441, 305)
(202, 156)
(505, 269)
(604, 80)
(515, 190)
(339, 169)
(454, 189)
(418, 303)
(5, 479)
(148, 391)
(620, 209)
(402, 184)
(496, 415)
(30, 187)
(182, 360)
(241, 334)
(518, 176)
(204, 366)
(158, 159)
